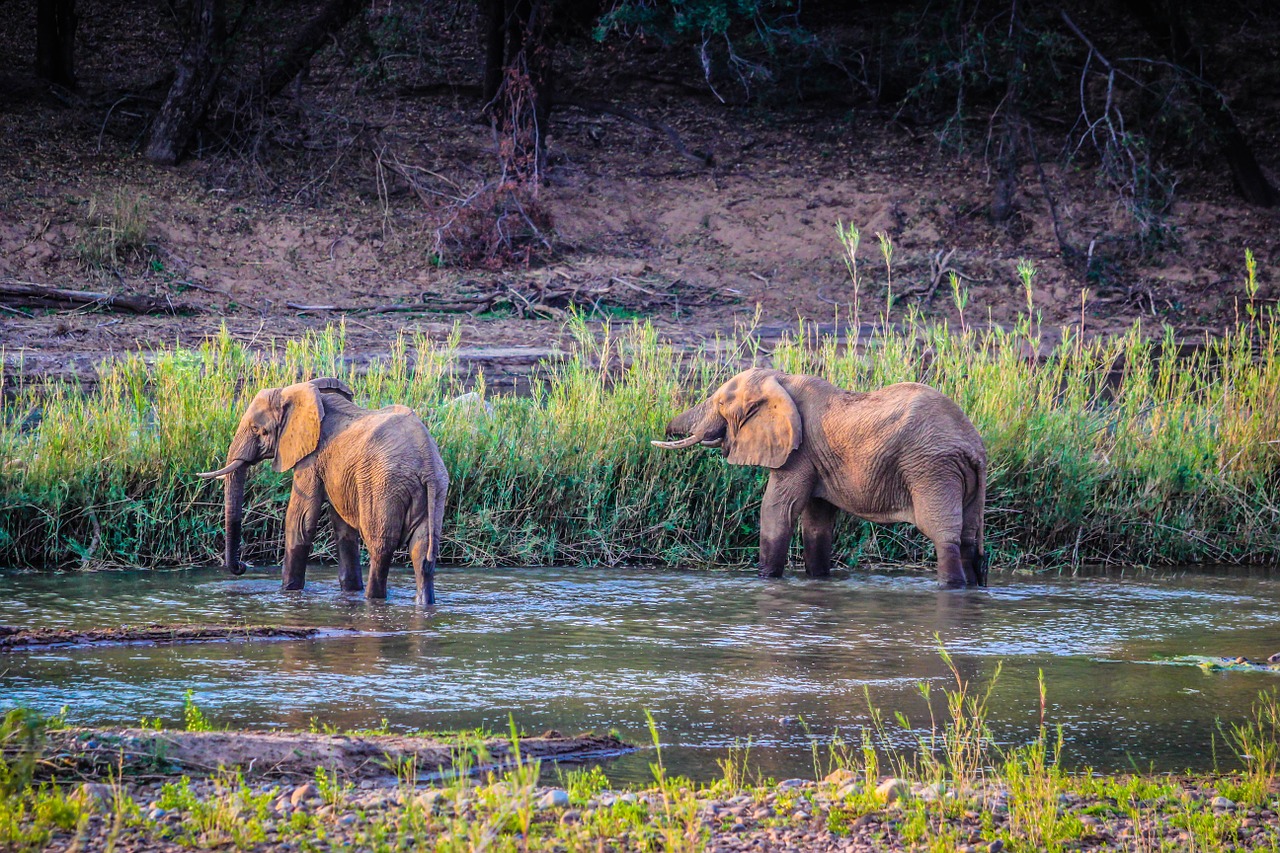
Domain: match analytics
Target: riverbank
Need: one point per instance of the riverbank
(1121, 449)
(957, 792)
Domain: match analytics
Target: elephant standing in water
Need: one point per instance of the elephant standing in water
(902, 453)
(380, 472)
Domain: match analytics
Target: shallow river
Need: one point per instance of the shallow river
(716, 658)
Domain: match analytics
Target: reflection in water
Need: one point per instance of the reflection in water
(716, 658)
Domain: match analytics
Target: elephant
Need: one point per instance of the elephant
(379, 470)
(905, 452)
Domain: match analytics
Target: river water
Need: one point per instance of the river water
(717, 659)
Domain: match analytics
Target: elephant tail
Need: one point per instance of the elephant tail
(974, 520)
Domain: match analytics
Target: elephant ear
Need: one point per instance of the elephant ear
(332, 385)
(301, 411)
(763, 425)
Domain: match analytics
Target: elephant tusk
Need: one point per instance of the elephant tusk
(677, 445)
(222, 472)
(713, 442)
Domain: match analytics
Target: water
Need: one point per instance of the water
(716, 658)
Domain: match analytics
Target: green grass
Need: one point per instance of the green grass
(1118, 449)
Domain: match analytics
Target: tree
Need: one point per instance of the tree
(55, 41)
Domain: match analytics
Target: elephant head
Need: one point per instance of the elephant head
(751, 416)
(280, 423)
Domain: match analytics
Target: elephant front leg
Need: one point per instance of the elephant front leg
(778, 513)
(348, 539)
(300, 521)
(817, 529)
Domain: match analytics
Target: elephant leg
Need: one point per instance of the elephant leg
(348, 539)
(380, 554)
(300, 519)
(971, 553)
(817, 527)
(938, 516)
(778, 513)
(422, 550)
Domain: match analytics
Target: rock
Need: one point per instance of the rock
(848, 789)
(801, 815)
(628, 797)
(472, 405)
(738, 827)
(995, 846)
(303, 792)
(762, 813)
(156, 813)
(347, 819)
(571, 816)
(98, 791)
(432, 799)
(892, 789)
(556, 798)
(795, 783)
(1089, 821)
(842, 776)
(324, 811)
(930, 793)
(1222, 803)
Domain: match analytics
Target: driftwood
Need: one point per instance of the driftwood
(551, 297)
(31, 295)
(97, 753)
(20, 639)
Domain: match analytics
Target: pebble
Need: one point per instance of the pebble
(156, 813)
(995, 846)
(1221, 802)
(347, 819)
(738, 827)
(801, 815)
(795, 783)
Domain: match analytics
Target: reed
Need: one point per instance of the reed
(1131, 448)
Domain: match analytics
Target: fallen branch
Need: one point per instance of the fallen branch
(32, 295)
(702, 158)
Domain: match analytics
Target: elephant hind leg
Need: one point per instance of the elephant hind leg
(971, 552)
(817, 527)
(938, 516)
(422, 550)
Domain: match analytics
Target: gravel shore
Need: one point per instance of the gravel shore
(840, 813)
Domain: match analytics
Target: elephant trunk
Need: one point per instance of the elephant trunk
(234, 505)
(699, 425)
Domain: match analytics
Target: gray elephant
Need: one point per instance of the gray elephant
(379, 470)
(902, 453)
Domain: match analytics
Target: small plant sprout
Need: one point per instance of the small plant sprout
(1027, 273)
(886, 250)
(959, 296)
(1251, 282)
(850, 237)
(194, 718)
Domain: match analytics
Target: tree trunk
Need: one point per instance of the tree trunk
(520, 104)
(495, 58)
(335, 15)
(1002, 203)
(1173, 39)
(56, 41)
(195, 81)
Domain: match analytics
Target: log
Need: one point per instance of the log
(30, 294)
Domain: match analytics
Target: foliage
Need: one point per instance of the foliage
(1126, 448)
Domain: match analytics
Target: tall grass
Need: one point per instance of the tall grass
(1127, 448)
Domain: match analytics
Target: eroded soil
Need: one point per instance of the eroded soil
(322, 214)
